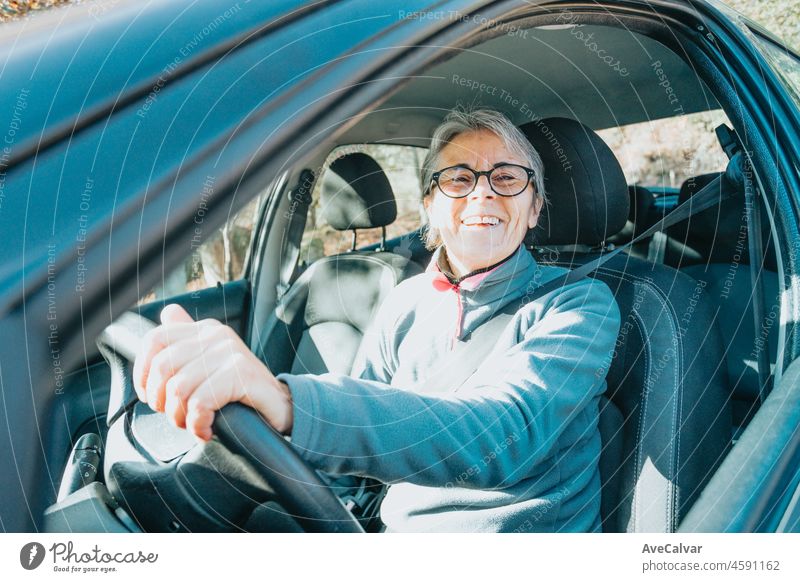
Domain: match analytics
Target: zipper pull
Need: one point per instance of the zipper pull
(459, 316)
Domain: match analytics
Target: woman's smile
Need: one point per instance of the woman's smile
(481, 221)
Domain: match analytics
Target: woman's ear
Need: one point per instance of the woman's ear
(536, 210)
(426, 204)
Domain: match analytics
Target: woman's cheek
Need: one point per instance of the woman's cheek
(444, 218)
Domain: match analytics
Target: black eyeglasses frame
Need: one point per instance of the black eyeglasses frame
(530, 172)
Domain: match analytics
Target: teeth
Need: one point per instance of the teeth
(492, 220)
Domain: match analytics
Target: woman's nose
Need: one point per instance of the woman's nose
(482, 188)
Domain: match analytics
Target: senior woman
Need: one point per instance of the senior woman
(516, 447)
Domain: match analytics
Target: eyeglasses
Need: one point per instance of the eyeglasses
(504, 180)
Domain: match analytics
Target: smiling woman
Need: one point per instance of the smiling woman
(480, 223)
(399, 417)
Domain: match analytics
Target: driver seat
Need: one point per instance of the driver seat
(665, 420)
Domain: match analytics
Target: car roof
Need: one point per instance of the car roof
(552, 71)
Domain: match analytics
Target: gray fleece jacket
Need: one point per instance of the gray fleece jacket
(514, 449)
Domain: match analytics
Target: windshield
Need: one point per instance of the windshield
(749, 17)
(784, 62)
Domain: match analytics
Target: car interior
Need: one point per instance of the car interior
(684, 381)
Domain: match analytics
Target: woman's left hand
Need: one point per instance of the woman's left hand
(190, 369)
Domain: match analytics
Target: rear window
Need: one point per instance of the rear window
(664, 153)
(402, 166)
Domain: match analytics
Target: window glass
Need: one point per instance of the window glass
(221, 258)
(784, 63)
(663, 153)
(402, 166)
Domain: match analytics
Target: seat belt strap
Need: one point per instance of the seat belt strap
(299, 201)
(468, 355)
(756, 252)
(733, 148)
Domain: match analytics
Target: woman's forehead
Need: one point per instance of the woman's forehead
(477, 147)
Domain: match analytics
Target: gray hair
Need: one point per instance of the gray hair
(460, 121)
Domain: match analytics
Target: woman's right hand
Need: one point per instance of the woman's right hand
(190, 369)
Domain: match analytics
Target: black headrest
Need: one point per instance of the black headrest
(640, 212)
(584, 182)
(357, 194)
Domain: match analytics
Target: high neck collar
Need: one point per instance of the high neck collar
(443, 263)
(520, 260)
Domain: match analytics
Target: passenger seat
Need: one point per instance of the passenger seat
(319, 323)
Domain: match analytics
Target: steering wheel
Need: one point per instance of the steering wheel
(154, 452)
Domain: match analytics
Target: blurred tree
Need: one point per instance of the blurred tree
(781, 17)
(11, 10)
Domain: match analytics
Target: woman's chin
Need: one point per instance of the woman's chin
(484, 247)
(483, 237)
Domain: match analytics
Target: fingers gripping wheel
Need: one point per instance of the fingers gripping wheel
(168, 481)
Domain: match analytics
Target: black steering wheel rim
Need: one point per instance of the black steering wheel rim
(243, 433)
(300, 490)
